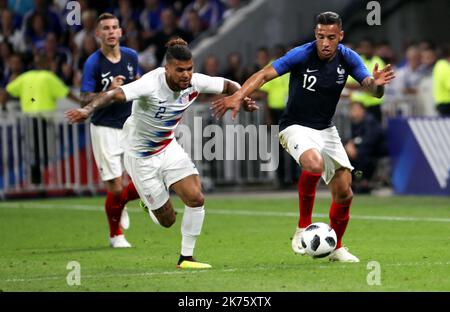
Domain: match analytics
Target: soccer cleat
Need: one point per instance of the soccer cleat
(125, 219)
(296, 242)
(150, 212)
(191, 263)
(342, 255)
(119, 241)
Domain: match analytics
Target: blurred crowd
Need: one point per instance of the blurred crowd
(32, 27)
(33, 31)
(39, 27)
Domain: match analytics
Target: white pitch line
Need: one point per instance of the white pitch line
(323, 215)
(54, 206)
(263, 268)
(90, 276)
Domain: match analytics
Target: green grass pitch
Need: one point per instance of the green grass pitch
(245, 238)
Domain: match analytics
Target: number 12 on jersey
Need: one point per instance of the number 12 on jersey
(309, 82)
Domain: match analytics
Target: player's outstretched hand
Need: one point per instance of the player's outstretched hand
(220, 106)
(384, 76)
(77, 115)
(250, 105)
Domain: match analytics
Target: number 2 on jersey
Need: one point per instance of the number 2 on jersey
(311, 80)
(160, 111)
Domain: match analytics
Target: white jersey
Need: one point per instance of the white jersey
(157, 110)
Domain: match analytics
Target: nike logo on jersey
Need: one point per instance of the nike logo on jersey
(104, 75)
(162, 101)
(311, 70)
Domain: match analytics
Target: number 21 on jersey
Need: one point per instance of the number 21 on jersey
(309, 81)
(106, 82)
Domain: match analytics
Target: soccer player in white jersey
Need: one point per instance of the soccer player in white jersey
(153, 158)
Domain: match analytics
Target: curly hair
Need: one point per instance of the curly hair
(178, 49)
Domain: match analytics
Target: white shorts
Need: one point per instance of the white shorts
(298, 139)
(107, 151)
(153, 175)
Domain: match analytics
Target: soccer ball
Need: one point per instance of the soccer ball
(319, 240)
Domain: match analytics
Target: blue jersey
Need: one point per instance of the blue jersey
(98, 73)
(315, 85)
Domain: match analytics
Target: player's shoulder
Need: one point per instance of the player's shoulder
(128, 51)
(199, 78)
(94, 58)
(156, 74)
(307, 47)
(347, 52)
(303, 50)
(148, 84)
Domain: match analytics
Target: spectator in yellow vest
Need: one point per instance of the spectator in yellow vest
(39, 89)
(276, 93)
(441, 83)
(372, 104)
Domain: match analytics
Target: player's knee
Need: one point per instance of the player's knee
(312, 162)
(166, 215)
(313, 167)
(196, 200)
(343, 196)
(114, 188)
(168, 220)
(117, 192)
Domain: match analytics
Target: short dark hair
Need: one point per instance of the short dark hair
(106, 16)
(178, 49)
(329, 18)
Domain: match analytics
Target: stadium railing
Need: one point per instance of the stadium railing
(49, 156)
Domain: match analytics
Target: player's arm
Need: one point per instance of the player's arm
(235, 100)
(230, 87)
(102, 100)
(87, 97)
(375, 84)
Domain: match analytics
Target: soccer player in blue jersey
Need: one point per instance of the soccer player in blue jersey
(106, 69)
(319, 70)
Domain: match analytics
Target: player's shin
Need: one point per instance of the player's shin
(113, 209)
(191, 227)
(307, 186)
(339, 217)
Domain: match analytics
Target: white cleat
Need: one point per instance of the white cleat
(297, 242)
(342, 255)
(124, 219)
(119, 241)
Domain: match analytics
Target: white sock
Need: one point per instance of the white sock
(191, 226)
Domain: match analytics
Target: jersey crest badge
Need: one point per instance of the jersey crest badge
(130, 71)
(341, 74)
